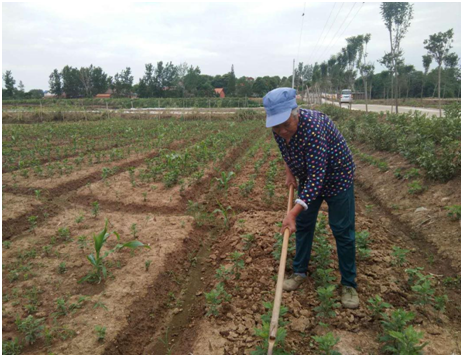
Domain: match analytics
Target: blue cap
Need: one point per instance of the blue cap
(278, 104)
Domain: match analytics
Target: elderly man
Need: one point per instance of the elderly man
(316, 153)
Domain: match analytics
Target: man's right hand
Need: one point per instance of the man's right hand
(290, 180)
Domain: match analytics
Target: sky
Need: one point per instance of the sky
(257, 38)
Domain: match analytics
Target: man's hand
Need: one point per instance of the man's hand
(290, 180)
(289, 222)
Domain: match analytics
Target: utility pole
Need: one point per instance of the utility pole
(292, 85)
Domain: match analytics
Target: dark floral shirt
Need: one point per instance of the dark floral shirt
(318, 156)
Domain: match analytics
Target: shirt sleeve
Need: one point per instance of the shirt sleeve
(316, 163)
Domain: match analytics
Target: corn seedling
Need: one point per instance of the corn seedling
(215, 298)
(147, 264)
(377, 306)
(225, 179)
(224, 212)
(327, 302)
(326, 344)
(100, 304)
(238, 263)
(399, 256)
(13, 347)
(95, 209)
(31, 327)
(454, 212)
(98, 261)
(100, 333)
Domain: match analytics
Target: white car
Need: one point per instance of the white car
(346, 97)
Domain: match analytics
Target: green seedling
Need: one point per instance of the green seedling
(32, 222)
(278, 246)
(238, 263)
(31, 327)
(415, 188)
(82, 241)
(326, 344)
(80, 219)
(322, 250)
(13, 347)
(62, 268)
(440, 302)
(97, 260)
(37, 194)
(224, 212)
(327, 302)
(100, 333)
(369, 208)
(454, 282)
(406, 342)
(6, 244)
(396, 322)
(424, 291)
(145, 194)
(454, 212)
(414, 275)
(223, 274)
(399, 256)
(412, 173)
(323, 277)
(246, 188)
(248, 240)
(377, 306)
(215, 298)
(64, 233)
(100, 304)
(225, 179)
(133, 229)
(147, 264)
(95, 209)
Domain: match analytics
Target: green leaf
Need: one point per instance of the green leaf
(135, 244)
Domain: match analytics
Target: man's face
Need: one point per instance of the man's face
(287, 129)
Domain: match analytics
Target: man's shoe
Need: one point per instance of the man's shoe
(293, 282)
(350, 298)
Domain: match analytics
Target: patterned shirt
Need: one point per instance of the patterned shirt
(318, 156)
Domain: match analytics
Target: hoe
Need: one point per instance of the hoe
(279, 288)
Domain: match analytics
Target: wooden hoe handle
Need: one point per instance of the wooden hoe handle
(281, 275)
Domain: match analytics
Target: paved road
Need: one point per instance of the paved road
(387, 108)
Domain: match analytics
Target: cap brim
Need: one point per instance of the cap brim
(277, 119)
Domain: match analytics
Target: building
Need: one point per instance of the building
(108, 94)
(220, 92)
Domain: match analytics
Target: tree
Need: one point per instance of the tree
(231, 85)
(363, 67)
(450, 64)
(427, 59)
(55, 83)
(438, 46)
(100, 81)
(72, 84)
(396, 17)
(122, 83)
(147, 84)
(9, 83)
(21, 91)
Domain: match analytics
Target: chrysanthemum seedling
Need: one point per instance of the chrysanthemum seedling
(396, 321)
(406, 342)
(323, 277)
(238, 263)
(377, 306)
(97, 260)
(13, 347)
(424, 291)
(414, 275)
(215, 298)
(223, 274)
(326, 344)
(31, 327)
(454, 212)
(327, 302)
(248, 240)
(399, 256)
(440, 302)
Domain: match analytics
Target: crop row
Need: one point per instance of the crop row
(433, 144)
(130, 138)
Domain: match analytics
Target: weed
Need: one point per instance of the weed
(6, 244)
(399, 256)
(62, 268)
(80, 219)
(32, 222)
(454, 282)
(165, 342)
(95, 208)
(327, 302)
(326, 344)
(145, 194)
(369, 208)
(147, 264)
(454, 212)
(246, 188)
(31, 327)
(377, 306)
(215, 298)
(100, 333)
(37, 194)
(64, 233)
(412, 173)
(440, 302)
(223, 273)
(100, 304)
(133, 229)
(82, 241)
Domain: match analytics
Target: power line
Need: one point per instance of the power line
(350, 22)
(300, 36)
(336, 32)
(319, 37)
